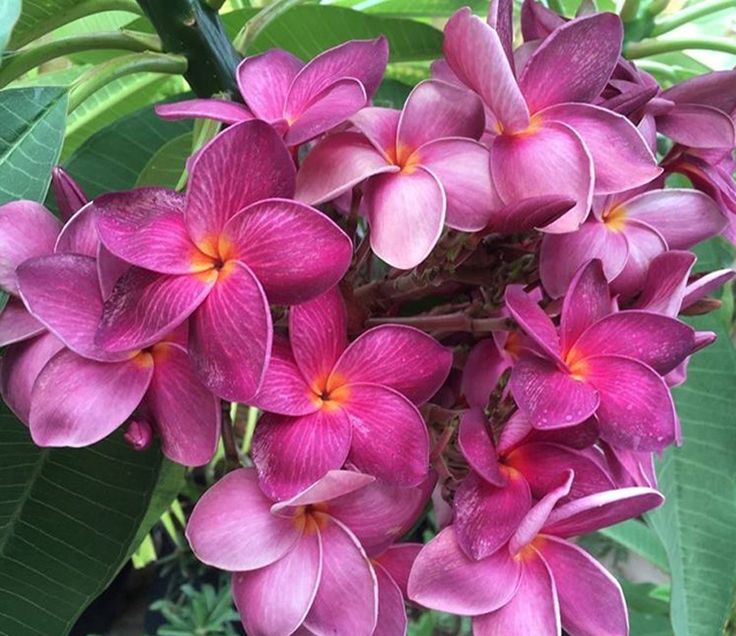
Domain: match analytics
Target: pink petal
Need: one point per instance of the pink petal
(347, 597)
(76, 402)
(435, 110)
(659, 341)
(328, 109)
(698, 126)
(476, 445)
(397, 561)
(16, 323)
(601, 510)
(246, 163)
(363, 60)
(145, 227)
(391, 611)
(319, 251)
(276, 599)
(713, 89)
(483, 369)
(664, 288)
(683, 217)
(230, 335)
(530, 213)
(217, 109)
(318, 331)
(444, 579)
(550, 160)
(27, 229)
(332, 486)
(700, 288)
(500, 18)
(636, 409)
(461, 165)
(110, 270)
(336, 164)
(187, 415)
(380, 126)
(551, 398)
(390, 439)
(68, 194)
(621, 157)
(476, 502)
(20, 365)
(574, 63)
(232, 527)
(586, 302)
(406, 212)
(144, 306)
(284, 389)
(399, 357)
(532, 319)
(533, 610)
(79, 235)
(264, 82)
(537, 21)
(291, 453)
(475, 53)
(645, 243)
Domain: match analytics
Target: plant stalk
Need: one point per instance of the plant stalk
(247, 35)
(647, 48)
(629, 11)
(697, 10)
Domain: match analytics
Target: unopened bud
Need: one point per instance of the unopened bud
(67, 192)
(139, 435)
(702, 306)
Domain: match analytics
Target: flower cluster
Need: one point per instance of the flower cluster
(482, 311)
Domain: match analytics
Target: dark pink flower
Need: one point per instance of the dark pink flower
(218, 254)
(329, 402)
(321, 560)
(299, 100)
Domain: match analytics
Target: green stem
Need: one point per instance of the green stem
(79, 10)
(101, 75)
(27, 59)
(260, 21)
(250, 427)
(647, 48)
(698, 10)
(657, 6)
(629, 11)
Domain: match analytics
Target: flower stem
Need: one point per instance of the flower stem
(228, 442)
(657, 6)
(247, 35)
(697, 10)
(629, 11)
(250, 427)
(459, 321)
(647, 48)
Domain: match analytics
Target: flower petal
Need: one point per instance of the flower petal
(397, 561)
(444, 579)
(232, 527)
(475, 53)
(476, 445)
(217, 109)
(390, 438)
(483, 369)
(79, 235)
(318, 256)
(529, 213)
(532, 319)
(549, 160)
(645, 243)
(17, 323)
(27, 229)
(391, 610)
(636, 409)
(396, 356)
(336, 164)
(698, 126)
(292, 453)
(264, 82)
(76, 402)
(187, 415)
(333, 485)
(574, 63)
(380, 126)
(230, 334)
(587, 301)
(68, 194)
(406, 212)
(260, 596)
(666, 282)
(246, 163)
(145, 227)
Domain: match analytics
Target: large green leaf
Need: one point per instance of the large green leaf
(697, 522)
(9, 13)
(419, 8)
(166, 166)
(30, 140)
(639, 538)
(68, 521)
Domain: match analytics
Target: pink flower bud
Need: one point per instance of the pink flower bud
(67, 192)
(139, 435)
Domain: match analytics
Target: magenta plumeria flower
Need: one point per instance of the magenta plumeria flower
(301, 101)
(550, 140)
(343, 402)
(320, 561)
(68, 194)
(218, 254)
(424, 169)
(539, 582)
(626, 232)
(599, 363)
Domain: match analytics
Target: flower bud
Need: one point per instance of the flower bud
(67, 192)
(139, 435)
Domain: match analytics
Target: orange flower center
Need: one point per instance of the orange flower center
(329, 392)
(311, 518)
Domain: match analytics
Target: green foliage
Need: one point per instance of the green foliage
(640, 539)
(30, 140)
(415, 8)
(68, 518)
(166, 166)
(9, 13)
(204, 611)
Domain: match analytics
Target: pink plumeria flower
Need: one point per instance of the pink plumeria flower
(539, 582)
(301, 101)
(549, 141)
(343, 402)
(423, 165)
(68, 193)
(599, 363)
(626, 233)
(319, 561)
(504, 481)
(218, 255)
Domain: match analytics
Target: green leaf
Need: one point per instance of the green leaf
(68, 519)
(166, 166)
(9, 13)
(113, 158)
(696, 524)
(30, 140)
(639, 538)
(417, 8)
(391, 94)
